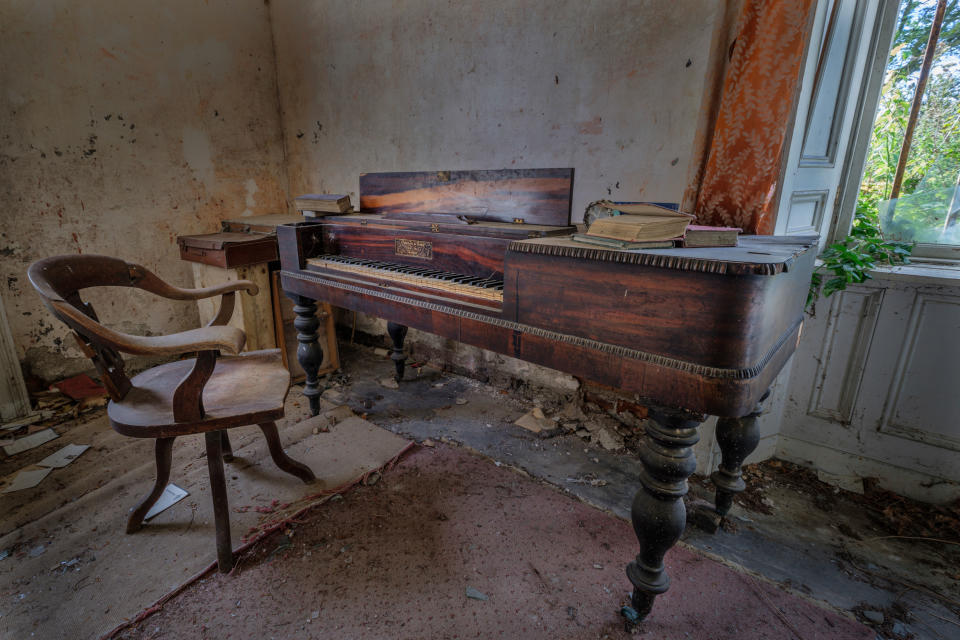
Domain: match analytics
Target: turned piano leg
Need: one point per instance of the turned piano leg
(398, 333)
(659, 515)
(309, 352)
(737, 438)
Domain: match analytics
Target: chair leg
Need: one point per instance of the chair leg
(281, 459)
(225, 446)
(163, 450)
(218, 491)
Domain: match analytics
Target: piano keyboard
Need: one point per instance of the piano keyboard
(485, 288)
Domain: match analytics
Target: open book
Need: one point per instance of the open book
(640, 222)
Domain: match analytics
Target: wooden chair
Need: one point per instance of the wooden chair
(207, 394)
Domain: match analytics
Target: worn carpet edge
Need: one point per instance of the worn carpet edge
(309, 502)
(709, 555)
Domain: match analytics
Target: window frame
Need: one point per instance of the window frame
(845, 205)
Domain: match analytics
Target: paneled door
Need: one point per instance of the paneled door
(826, 113)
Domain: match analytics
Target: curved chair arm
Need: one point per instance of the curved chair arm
(225, 338)
(145, 279)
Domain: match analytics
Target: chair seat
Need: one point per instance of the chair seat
(245, 389)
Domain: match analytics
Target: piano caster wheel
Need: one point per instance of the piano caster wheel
(398, 333)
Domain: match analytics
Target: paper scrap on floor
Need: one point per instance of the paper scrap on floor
(30, 441)
(63, 457)
(27, 478)
(170, 496)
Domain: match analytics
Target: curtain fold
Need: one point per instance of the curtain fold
(755, 117)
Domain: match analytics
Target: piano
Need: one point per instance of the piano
(486, 258)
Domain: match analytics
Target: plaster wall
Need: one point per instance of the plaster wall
(123, 126)
(613, 89)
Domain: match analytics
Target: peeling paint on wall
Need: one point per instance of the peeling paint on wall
(119, 130)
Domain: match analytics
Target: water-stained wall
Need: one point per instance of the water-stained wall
(613, 89)
(122, 126)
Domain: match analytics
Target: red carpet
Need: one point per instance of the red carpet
(395, 560)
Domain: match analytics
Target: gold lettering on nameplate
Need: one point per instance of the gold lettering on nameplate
(413, 248)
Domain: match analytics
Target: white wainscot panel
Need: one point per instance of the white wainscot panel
(849, 332)
(923, 403)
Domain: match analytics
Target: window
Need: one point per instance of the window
(911, 182)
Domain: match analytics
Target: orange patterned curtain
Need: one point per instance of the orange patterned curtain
(760, 89)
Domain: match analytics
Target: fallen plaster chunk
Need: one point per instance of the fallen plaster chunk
(170, 496)
(389, 383)
(847, 482)
(535, 421)
(29, 442)
(608, 439)
(63, 457)
(332, 395)
(380, 351)
(27, 479)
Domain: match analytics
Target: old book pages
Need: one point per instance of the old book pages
(640, 222)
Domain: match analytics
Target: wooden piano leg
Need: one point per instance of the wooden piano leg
(737, 438)
(659, 515)
(309, 352)
(398, 333)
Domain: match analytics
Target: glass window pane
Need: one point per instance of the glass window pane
(927, 209)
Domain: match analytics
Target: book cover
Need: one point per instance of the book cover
(611, 243)
(703, 236)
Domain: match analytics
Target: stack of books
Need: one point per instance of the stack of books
(650, 226)
(314, 205)
(636, 226)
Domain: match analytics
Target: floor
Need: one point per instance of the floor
(816, 540)
(809, 560)
(447, 545)
(68, 570)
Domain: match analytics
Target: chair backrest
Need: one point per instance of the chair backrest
(60, 279)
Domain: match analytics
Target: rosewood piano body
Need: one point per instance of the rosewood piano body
(485, 258)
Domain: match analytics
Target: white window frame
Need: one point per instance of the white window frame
(859, 144)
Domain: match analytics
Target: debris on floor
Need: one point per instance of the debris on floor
(170, 496)
(27, 478)
(390, 383)
(476, 594)
(81, 387)
(64, 456)
(535, 421)
(29, 442)
(28, 420)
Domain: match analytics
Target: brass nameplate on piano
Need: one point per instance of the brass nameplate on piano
(413, 248)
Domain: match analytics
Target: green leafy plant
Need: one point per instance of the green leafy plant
(851, 260)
